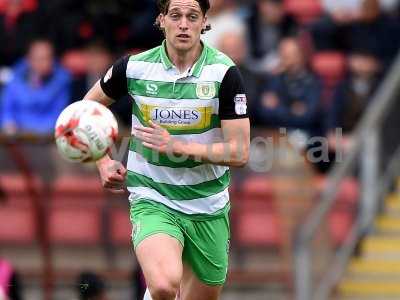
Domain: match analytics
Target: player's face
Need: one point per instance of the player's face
(183, 24)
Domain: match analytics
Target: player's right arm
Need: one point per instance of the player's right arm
(111, 86)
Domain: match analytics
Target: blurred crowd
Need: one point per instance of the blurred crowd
(310, 66)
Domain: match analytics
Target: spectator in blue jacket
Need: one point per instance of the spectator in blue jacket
(291, 98)
(38, 92)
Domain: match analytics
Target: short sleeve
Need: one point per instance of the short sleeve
(232, 96)
(114, 83)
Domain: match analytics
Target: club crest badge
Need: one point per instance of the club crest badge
(240, 104)
(205, 90)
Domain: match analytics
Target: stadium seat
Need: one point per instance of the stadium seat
(27, 5)
(15, 188)
(341, 217)
(18, 225)
(257, 227)
(85, 30)
(75, 61)
(120, 227)
(254, 218)
(330, 66)
(77, 191)
(15, 184)
(259, 187)
(305, 11)
(339, 224)
(256, 223)
(78, 185)
(74, 225)
(348, 193)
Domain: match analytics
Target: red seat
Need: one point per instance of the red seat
(16, 189)
(257, 187)
(27, 5)
(120, 227)
(253, 213)
(348, 193)
(339, 224)
(78, 185)
(15, 184)
(257, 228)
(305, 11)
(17, 225)
(75, 61)
(330, 65)
(74, 225)
(256, 223)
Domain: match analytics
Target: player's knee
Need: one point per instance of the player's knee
(164, 289)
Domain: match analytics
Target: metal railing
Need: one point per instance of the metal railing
(365, 155)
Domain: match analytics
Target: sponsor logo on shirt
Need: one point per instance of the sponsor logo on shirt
(177, 118)
(205, 90)
(240, 104)
(151, 89)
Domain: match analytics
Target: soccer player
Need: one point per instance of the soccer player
(190, 123)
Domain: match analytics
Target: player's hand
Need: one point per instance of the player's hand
(157, 138)
(112, 174)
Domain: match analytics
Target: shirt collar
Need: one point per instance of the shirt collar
(164, 56)
(197, 67)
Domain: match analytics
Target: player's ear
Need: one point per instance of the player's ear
(161, 20)
(204, 25)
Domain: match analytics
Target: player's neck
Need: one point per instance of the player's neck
(183, 60)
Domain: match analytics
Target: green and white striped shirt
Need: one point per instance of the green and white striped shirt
(190, 106)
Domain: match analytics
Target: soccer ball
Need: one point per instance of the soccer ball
(85, 131)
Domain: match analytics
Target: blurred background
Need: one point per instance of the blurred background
(315, 214)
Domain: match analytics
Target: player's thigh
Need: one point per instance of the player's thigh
(160, 257)
(193, 289)
(158, 243)
(206, 249)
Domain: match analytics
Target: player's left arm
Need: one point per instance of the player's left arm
(233, 150)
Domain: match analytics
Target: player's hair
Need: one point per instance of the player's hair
(37, 39)
(163, 6)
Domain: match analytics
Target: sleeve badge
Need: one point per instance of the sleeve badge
(240, 104)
